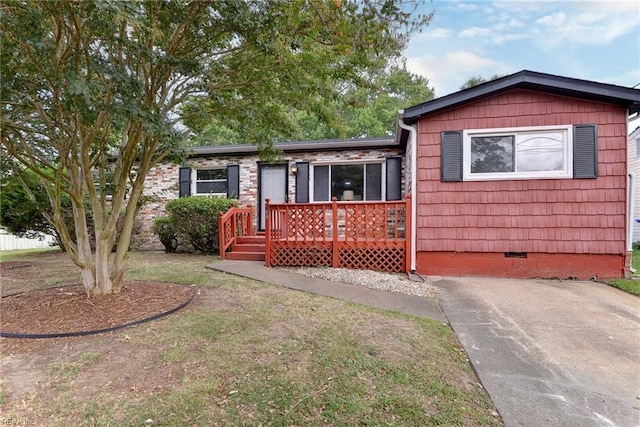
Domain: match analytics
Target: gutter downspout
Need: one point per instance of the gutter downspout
(630, 212)
(413, 140)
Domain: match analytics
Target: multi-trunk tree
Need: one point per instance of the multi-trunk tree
(92, 91)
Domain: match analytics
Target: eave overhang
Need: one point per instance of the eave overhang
(530, 80)
(297, 147)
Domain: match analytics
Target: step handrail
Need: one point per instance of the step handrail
(234, 223)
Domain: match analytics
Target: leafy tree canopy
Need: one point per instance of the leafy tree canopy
(476, 80)
(361, 111)
(24, 206)
(94, 90)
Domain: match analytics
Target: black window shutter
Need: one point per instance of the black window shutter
(302, 182)
(233, 181)
(394, 178)
(585, 151)
(451, 156)
(185, 182)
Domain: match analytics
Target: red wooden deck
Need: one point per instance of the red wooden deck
(358, 235)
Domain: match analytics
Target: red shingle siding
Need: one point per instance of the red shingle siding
(564, 216)
(567, 265)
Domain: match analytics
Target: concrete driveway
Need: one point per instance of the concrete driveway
(550, 353)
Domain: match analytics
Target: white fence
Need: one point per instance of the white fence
(10, 242)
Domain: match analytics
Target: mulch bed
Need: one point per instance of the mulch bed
(67, 309)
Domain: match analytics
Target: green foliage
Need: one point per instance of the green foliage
(492, 154)
(94, 90)
(195, 220)
(20, 214)
(366, 110)
(631, 286)
(476, 80)
(25, 209)
(165, 228)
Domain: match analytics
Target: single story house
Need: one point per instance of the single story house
(523, 176)
(310, 171)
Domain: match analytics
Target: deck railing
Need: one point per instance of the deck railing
(236, 222)
(359, 235)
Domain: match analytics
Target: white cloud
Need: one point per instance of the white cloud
(506, 23)
(625, 78)
(584, 28)
(463, 6)
(515, 23)
(505, 38)
(501, 37)
(434, 34)
(587, 23)
(553, 20)
(475, 32)
(446, 74)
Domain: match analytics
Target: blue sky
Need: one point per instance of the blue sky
(592, 40)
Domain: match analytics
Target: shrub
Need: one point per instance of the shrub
(196, 220)
(164, 227)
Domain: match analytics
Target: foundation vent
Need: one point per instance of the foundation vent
(515, 255)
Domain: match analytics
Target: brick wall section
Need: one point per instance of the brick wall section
(162, 181)
(562, 216)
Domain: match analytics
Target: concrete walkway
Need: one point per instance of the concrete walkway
(549, 353)
(416, 306)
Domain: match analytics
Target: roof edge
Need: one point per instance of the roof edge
(531, 80)
(297, 146)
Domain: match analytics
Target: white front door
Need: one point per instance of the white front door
(272, 185)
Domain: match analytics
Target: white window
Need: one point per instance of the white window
(210, 181)
(518, 153)
(348, 182)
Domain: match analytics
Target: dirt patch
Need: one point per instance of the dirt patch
(10, 265)
(67, 309)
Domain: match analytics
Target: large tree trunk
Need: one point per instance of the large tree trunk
(82, 253)
(104, 285)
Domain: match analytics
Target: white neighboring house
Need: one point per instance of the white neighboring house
(10, 242)
(633, 164)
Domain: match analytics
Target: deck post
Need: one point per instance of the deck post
(234, 224)
(267, 234)
(408, 232)
(249, 225)
(335, 262)
(221, 239)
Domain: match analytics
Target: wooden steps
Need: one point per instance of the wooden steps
(248, 248)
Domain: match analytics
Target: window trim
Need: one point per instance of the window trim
(565, 173)
(383, 177)
(195, 181)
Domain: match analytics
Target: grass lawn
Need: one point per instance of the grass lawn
(244, 353)
(631, 285)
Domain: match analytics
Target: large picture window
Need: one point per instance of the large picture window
(518, 153)
(348, 182)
